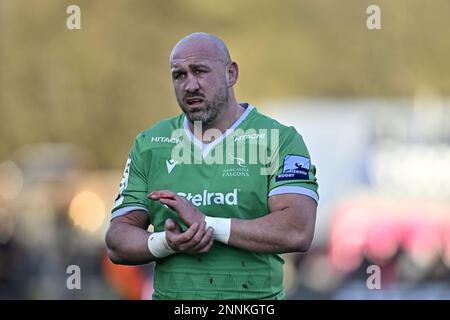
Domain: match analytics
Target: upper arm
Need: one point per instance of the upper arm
(120, 226)
(137, 218)
(300, 214)
(293, 187)
(299, 205)
(126, 238)
(297, 202)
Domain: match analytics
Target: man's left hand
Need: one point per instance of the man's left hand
(185, 209)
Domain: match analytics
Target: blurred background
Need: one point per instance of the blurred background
(372, 105)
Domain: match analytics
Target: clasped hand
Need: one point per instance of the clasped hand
(197, 238)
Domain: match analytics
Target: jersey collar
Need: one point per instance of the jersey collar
(207, 147)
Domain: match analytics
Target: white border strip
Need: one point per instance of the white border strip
(125, 210)
(294, 189)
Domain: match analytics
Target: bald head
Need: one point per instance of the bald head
(203, 77)
(201, 44)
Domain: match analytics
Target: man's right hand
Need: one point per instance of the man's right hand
(196, 239)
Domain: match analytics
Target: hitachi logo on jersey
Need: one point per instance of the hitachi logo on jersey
(208, 198)
(253, 136)
(165, 139)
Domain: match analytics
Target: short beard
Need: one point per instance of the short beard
(213, 110)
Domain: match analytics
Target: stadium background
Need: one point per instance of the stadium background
(372, 106)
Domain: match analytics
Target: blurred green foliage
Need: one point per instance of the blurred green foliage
(99, 86)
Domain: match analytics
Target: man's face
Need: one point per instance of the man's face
(200, 86)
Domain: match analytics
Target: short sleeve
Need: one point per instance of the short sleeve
(294, 172)
(133, 186)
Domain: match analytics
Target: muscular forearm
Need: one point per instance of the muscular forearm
(127, 244)
(278, 232)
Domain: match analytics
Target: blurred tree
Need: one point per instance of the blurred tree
(99, 86)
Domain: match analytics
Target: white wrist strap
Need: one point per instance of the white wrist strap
(158, 246)
(221, 226)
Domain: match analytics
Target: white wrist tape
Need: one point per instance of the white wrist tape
(158, 246)
(222, 228)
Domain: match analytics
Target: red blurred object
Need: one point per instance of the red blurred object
(128, 280)
(378, 230)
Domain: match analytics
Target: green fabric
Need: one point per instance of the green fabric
(235, 188)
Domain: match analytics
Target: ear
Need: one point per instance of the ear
(231, 74)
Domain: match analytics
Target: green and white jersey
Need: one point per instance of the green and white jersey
(231, 177)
